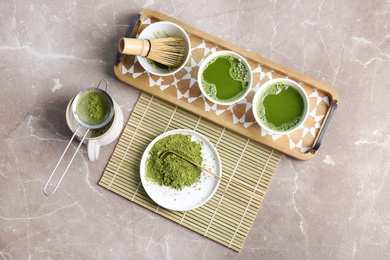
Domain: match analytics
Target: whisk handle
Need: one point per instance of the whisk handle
(133, 46)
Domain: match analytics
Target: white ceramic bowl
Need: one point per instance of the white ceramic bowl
(210, 59)
(160, 30)
(258, 98)
(190, 197)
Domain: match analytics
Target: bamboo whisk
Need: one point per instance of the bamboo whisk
(168, 51)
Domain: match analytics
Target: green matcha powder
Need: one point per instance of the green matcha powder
(97, 109)
(174, 171)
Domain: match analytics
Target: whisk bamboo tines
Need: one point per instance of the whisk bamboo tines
(169, 51)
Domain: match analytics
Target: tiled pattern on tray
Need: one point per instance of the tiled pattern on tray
(185, 84)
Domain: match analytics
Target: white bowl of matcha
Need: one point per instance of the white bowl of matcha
(225, 77)
(174, 183)
(280, 106)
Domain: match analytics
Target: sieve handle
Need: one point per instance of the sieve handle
(58, 163)
(101, 83)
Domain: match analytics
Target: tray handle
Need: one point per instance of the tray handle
(134, 25)
(325, 127)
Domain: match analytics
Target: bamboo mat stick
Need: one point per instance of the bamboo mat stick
(164, 154)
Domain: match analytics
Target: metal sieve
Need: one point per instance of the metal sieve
(82, 110)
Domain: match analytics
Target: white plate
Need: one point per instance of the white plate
(189, 197)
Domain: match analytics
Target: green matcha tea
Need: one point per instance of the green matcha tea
(281, 107)
(157, 65)
(225, 79)
(102, 130)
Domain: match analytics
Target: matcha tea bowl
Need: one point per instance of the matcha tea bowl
(225, 77)
(280, 106)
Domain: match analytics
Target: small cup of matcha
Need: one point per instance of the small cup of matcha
(225, 77)
(96, 119)
(280, 106)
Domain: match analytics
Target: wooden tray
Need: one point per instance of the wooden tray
(182, 90)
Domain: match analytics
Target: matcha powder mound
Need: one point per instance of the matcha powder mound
(173, 171)
(96, 107)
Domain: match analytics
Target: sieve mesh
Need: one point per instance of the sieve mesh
(93, 108)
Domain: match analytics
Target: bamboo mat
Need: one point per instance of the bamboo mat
(228, 216)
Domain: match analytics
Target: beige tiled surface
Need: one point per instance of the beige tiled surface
(334, 206)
